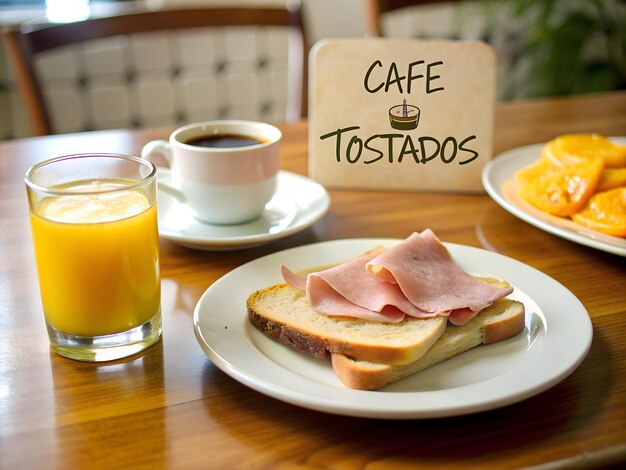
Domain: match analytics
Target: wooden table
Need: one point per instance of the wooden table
(171, 407)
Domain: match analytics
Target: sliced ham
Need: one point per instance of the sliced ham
(294, 280)
(353, 282)
(324, 298)
(348, 289)
(416, 277)
(461, 316)
(428, 276)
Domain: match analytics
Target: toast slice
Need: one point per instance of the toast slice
(502, 320)
(283, 313)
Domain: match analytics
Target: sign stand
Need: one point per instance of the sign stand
(401, 114)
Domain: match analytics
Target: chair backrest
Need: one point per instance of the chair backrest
(375, 9)
(26, 43)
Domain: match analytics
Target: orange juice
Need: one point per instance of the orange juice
(97, 257)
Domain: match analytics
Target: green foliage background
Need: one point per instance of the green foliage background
(558, 47)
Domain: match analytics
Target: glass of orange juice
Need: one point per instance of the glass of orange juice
(94, 226)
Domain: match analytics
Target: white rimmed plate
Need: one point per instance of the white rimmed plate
(498, 181)
(556, 339)
(299, 203)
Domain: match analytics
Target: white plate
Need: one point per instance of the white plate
(556, 339)
(498, 182)
(299, 203)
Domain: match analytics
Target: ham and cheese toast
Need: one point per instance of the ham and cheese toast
(387, 314)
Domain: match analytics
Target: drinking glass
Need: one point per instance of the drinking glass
(95, 235)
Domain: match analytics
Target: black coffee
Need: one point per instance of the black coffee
(224, 141)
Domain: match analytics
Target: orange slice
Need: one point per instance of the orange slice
(605, 212)
(612, 178)
(559, 190)
(560, 150)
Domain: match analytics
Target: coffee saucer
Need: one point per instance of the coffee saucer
(299, 202)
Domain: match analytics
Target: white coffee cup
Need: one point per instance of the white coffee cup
(222, 185)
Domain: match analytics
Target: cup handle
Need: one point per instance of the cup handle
(162, 147)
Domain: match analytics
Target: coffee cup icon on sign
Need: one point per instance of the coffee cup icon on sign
(404, 117)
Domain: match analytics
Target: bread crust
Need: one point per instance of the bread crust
(361, 378)
(288, 336)
(502, 328)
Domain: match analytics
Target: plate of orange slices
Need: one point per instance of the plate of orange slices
(573, 186)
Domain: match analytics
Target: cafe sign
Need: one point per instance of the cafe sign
(401, 114)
